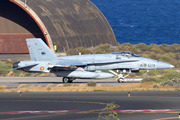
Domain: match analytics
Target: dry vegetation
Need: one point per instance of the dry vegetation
(85, 87)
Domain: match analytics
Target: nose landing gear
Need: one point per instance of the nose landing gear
(120, 76)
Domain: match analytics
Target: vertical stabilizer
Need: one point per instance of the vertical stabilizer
(39, 51)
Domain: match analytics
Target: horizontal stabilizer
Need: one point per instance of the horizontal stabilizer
(23, 67)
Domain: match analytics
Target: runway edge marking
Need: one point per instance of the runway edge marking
(145, 110)
(45, 111)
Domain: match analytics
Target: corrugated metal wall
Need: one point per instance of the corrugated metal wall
(15, 26)
(15, 42)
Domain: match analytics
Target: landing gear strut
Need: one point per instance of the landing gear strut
(120, 76)
(68, 80)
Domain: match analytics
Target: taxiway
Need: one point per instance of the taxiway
(142, 105)
(14, 82)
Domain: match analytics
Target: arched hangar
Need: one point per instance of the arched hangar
(66, 23)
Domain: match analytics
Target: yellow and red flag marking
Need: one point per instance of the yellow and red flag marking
(41, 68)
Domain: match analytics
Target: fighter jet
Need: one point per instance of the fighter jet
(89, 66)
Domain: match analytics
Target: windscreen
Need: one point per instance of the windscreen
(126, 53)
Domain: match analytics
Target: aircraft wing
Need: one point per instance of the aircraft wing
(109, 62)
(67, 64)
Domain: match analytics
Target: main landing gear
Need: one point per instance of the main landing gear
(68, 80)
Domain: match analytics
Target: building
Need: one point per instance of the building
(66, 23)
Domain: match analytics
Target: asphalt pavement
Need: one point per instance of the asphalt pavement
(14, 57)
(14, 82)
(141, 105)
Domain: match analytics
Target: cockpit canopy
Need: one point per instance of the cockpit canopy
(126, 53)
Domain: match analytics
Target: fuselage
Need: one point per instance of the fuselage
(138, 63)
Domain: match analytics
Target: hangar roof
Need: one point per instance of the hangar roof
(69, 23)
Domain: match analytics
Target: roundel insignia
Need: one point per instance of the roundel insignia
(42, 68)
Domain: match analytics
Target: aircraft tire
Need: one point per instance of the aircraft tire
(70, 81)
(65, 80)
(120, 80)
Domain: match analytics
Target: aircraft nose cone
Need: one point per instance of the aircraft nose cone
(163, 65)
(172, 66)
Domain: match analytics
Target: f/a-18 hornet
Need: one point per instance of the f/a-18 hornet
(84, 66)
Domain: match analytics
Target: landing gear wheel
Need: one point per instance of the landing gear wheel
(70, 81)
(65, 80)
(120, 80)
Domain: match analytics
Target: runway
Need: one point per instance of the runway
(15, 57)
(14, 82)
(144, 105)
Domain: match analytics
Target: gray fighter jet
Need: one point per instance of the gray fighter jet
(84, 66)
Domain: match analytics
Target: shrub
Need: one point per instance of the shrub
(67, 84)
(156, 86)
(154, 56)
(142, 47)
(70, 52)
(93, 51)
(132, 49)
(127, 44)
(100, 52)
(111, 114)
(177, 56)
(165, 58)
(48, 88)
(22, 86)
(2, 87)
(132, 75)
(164, 47)
(171, 75)
(172, 48)
(175, 82)
(157, 50)
(147, 52)
(121, 48)
(177, 64)
(110, 50)
(9, 61)
(91, 83)
(83, 50)
(141, 72)
(150, 79)
(103, 47)
(75, 84)
(152, 45)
